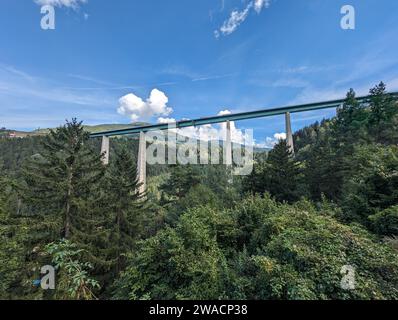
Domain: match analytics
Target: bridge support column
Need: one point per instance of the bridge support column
(105, 150)
(228, 145)
(289, 133)
(141, 163)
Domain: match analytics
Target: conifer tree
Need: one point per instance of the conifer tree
(182, 179)
(127, 208)
(11, 245)
(63, 187)
(350, 124)
(283, 173)
(383, 119)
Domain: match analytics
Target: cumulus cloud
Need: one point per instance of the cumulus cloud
(280, 136)
(74, 4)
(209, 132)
(138, 109)
(224, 112)
(166, 120)
(156, 105)
(270, 142)
(237, 17)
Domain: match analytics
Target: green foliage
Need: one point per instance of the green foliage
(180, 263)
(386, 222)
(127, 208)
(194, 234)
(181, 180)
(383, 119)
(259, 250)
(61, 179)
(73, 281)
(279, 175)
(298, 254)
(374, 185)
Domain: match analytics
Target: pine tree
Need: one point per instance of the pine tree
(282, 176)
(63, 187)
(350, 124)
(3, 186)
(383, 119)
(127, 208)
(12, 253)
(182, 179)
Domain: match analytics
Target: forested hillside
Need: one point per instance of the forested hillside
(284, 232)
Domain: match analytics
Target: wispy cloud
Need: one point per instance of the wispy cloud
(235, 20)
(91, 79)
(237, 17)
(19, 73)
(205, 78)
(192, 75)
(260, 4)
(26, 86)
(73, 4)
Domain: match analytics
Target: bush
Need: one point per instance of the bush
(260, 250)
(386, 221)
(298, 253)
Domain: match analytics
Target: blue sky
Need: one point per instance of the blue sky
(282, 53)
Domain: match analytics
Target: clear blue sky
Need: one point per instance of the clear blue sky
(291, 51)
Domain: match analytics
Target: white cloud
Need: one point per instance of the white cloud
(237, 17)
(74, 4)
(280, 136)
(224, 112)
(166, 120)
(209, 132)
(260, 4)
(18, 73)
(269, 142)
(137, 109)
(234, 21)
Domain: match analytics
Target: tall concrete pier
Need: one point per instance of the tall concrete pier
(289, 133)
(228, 145)
(141, 163)
(105, 150)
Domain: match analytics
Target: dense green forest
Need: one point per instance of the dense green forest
(284, 232)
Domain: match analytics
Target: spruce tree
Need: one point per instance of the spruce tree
(127, 208)
(12, 251)
(350, 124)
(383, 119)
(283, 173)
(63, 187)
(182, 178)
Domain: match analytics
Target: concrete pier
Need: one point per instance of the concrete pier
(228, 145)
(141, 163)
(105, 150)
(289, 133)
